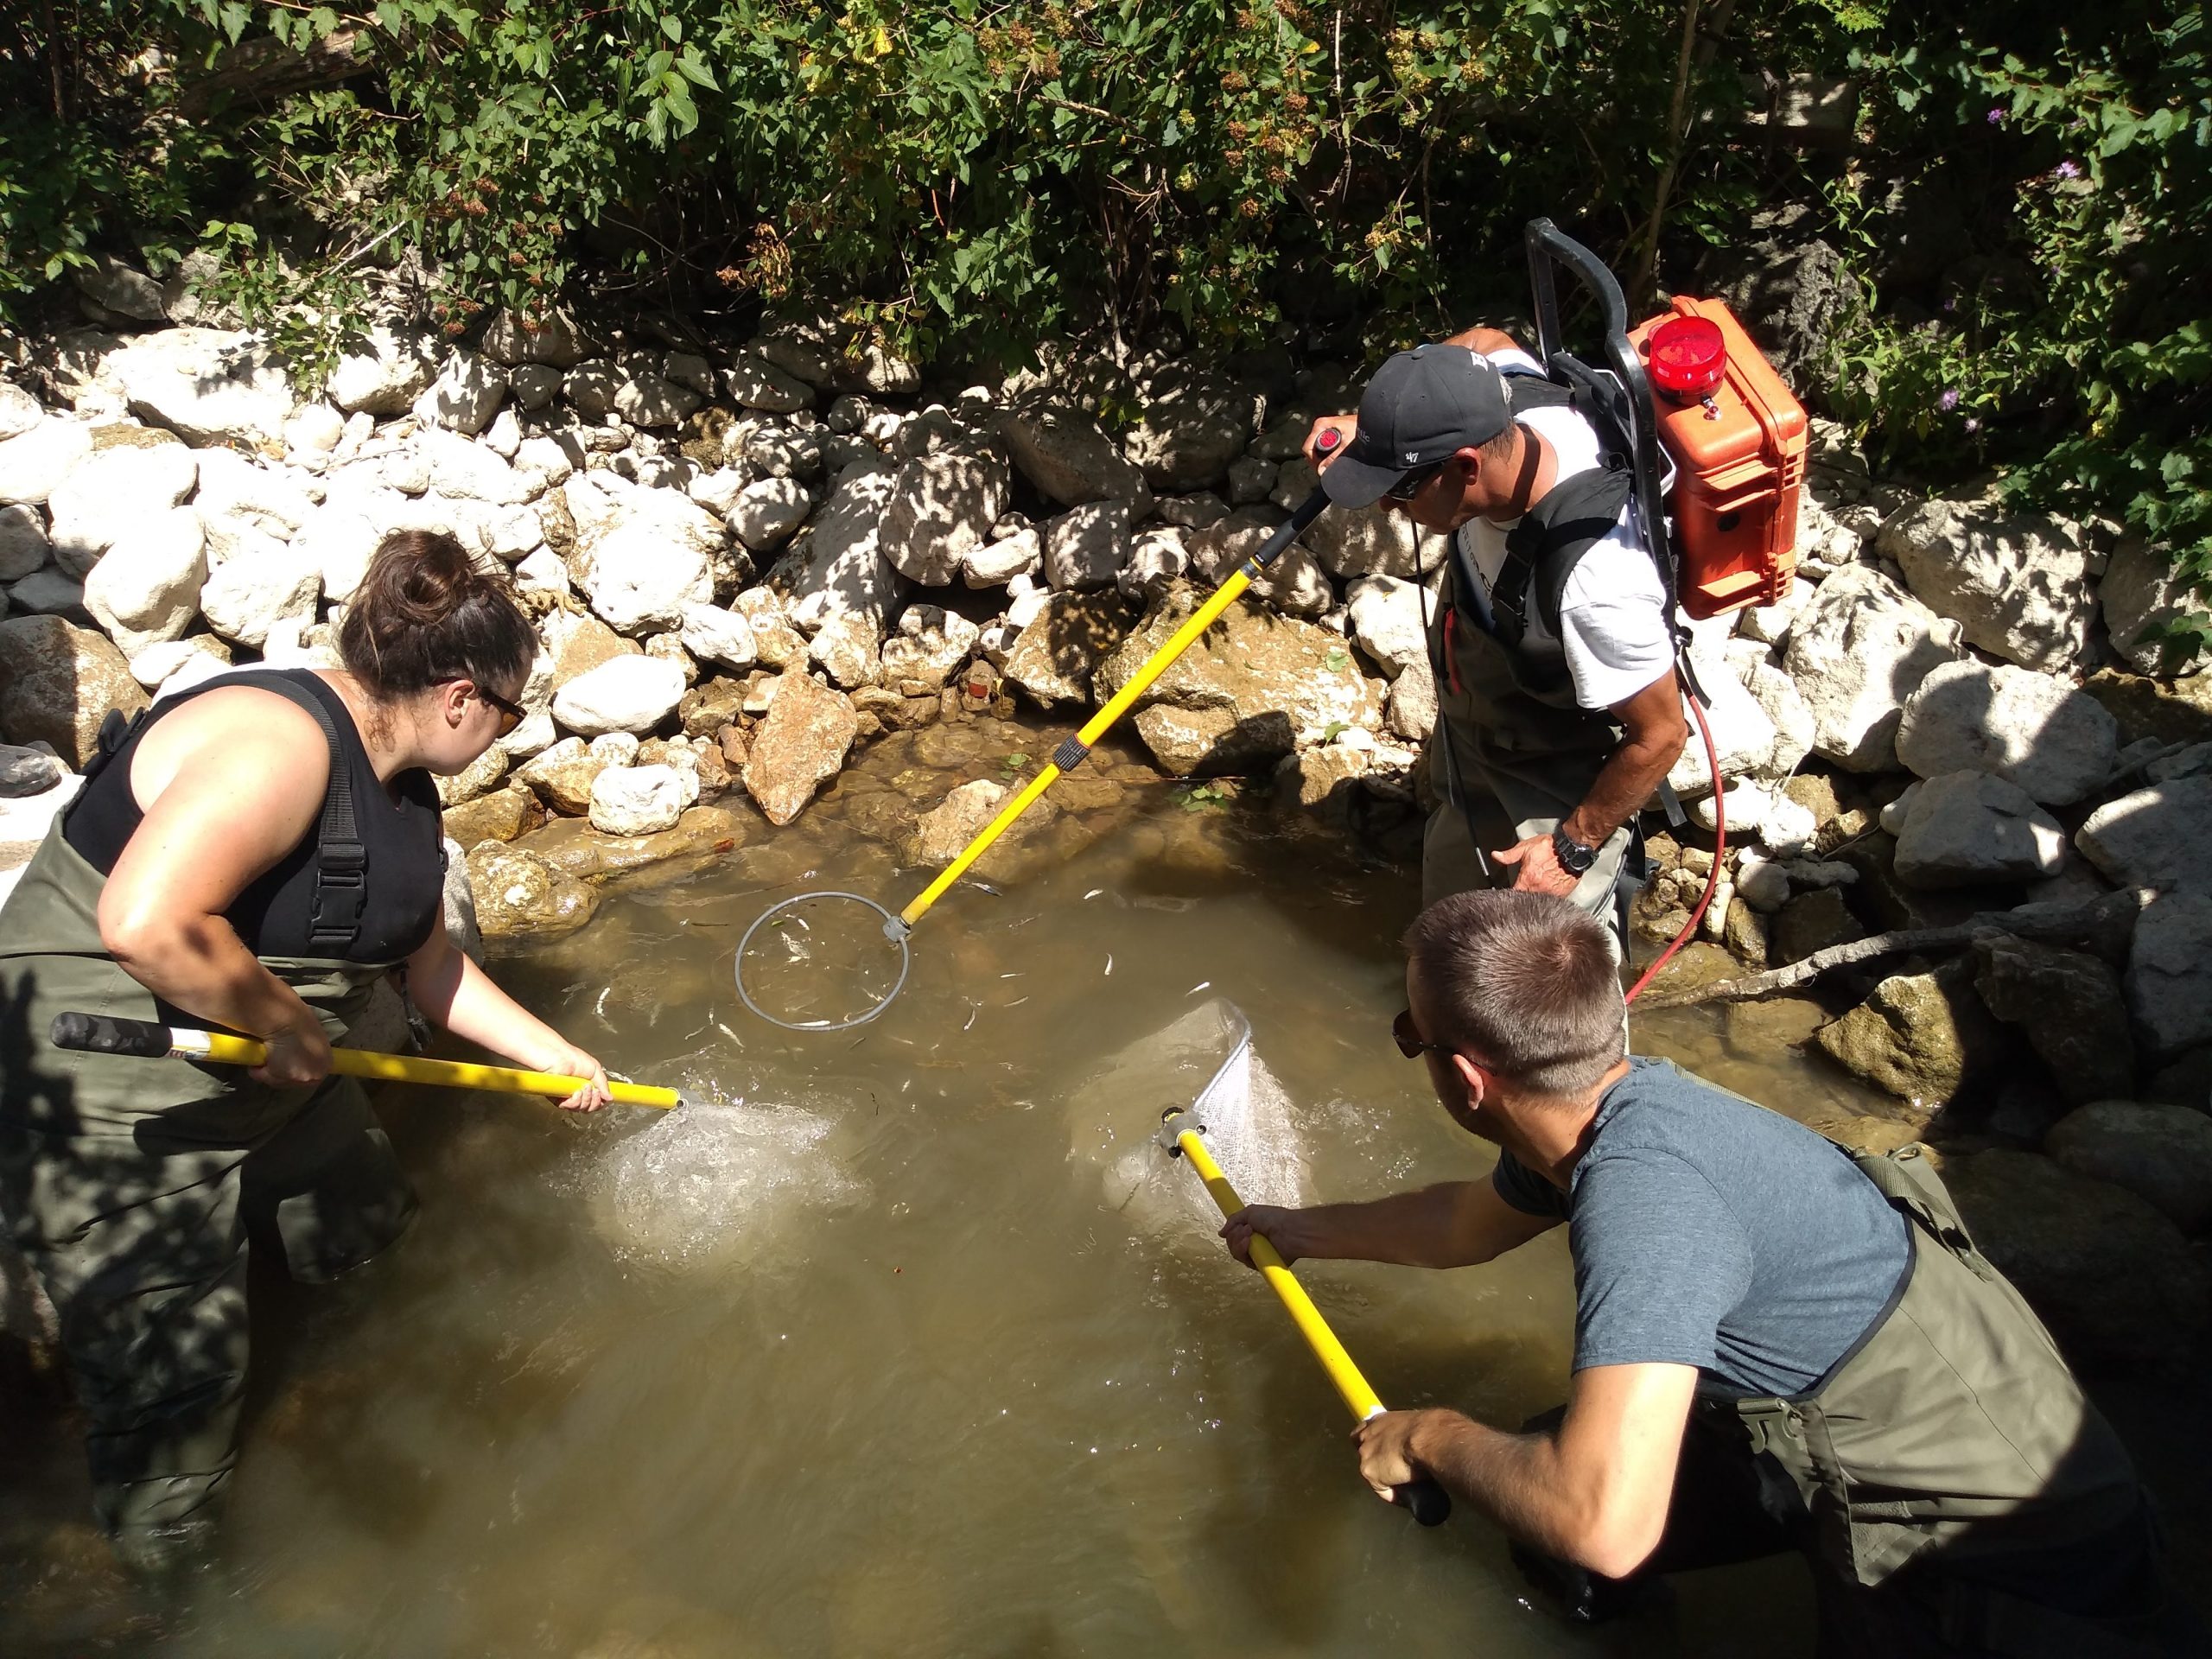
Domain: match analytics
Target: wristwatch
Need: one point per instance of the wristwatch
(1574, 857)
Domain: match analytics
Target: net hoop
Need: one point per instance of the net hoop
(894, 929)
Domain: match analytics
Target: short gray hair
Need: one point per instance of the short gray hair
(1525, 982)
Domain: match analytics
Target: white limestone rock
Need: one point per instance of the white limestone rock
(1967, 828)
(466, 395)
(1086, 546)
(146, 589)
(767, 511)
(2151, 838)
(36, 460)
(929, 648)
(631, 693)
(637, 800)
(940, 512)
(264, 583)
(1386, 622)
(2055, 742)
(838, 566)
(724, 636)
(846, 648)
(994, 564)
(1858, 651)
(2017, 584)
(2169, 979)
(382, 372)
(208, 385)
(109, 490)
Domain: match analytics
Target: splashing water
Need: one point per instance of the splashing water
(710, 1185)
(1204, 1060)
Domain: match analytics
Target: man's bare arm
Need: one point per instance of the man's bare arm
(1653, 731)
(1455, 1225)
(1485, 340)
(1594, 1491)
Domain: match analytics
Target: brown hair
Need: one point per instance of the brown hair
(1525, 982)
(426, 613)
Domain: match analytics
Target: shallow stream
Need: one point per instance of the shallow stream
(902, 1342)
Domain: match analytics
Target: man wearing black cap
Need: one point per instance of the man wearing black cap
(1558, 713)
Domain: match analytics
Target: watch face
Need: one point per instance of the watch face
(1574, 857)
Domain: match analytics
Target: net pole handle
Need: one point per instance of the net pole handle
(1427, 1501)
(144, 1039)
(1122, 700)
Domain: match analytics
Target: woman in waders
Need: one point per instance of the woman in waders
(252, 854)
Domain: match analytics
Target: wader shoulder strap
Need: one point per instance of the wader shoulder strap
(1910, 1182)
(1544, 548)
(341, 886)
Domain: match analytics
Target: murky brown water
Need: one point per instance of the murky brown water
(905, 1345)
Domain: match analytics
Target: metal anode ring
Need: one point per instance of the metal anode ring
(893, 929)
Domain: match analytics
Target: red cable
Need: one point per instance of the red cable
(1719, 848)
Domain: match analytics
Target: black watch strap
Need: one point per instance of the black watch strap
(1574, 857)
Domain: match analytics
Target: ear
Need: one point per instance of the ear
(1470, 1079)
(453, 701)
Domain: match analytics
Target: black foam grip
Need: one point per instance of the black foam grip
(98, 1034)
(1306, 512)
(1430, 1503)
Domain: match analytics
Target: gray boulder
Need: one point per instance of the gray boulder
(57, 683)
(1069, 458)
(24, 545)
(556, 341)
(2026, 728)
(2143, 590)
(2017, 585)
(2110, 1275)
(723, 637)
(2148, 838)
(1054, 657)
(1385, 617)
(1196, 421)
(466, 395)
(1294, 584)
(940, 513)
(1965, 827)
(2070, 1007)
(994, 564)
(929, 648)
(1858, 651)
(2170, 975)
(753, 383)
(838, 565)
(262, 584)
(767, 511)
(650, 400)
(637, 800)
(1349, 542)
(19, 411)
(1085, 546)
(2161, 1154)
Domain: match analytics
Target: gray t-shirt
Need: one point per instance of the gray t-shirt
(1709, 1232)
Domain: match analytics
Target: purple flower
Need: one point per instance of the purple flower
(2067, 169)
(1951, 304)
(1949, 400)
(1973, 425)
(1997, 118)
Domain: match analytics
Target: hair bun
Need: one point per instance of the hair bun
(426, 613)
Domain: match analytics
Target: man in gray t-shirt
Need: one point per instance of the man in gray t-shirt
(1778, 1346)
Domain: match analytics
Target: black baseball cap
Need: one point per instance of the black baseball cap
(1422, 406)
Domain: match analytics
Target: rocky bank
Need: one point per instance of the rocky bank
(749, 560)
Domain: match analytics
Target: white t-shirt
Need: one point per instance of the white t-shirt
(1612, 611)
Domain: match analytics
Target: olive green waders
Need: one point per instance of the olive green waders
(1510, 756)
(132, 1185)
(1954, 1491)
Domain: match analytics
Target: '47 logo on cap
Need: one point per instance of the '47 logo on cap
(1412, 456)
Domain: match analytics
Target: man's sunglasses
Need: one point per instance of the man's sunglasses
(1411, 483)
(1410, 1042)
(511, 714)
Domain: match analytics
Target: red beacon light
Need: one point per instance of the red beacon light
(1688, 357)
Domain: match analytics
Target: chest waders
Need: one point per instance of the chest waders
(1951, 1457)
(1517, 753)
(131, 1189)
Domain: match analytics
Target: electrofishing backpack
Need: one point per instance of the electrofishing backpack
(1719, 516)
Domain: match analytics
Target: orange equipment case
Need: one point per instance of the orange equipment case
(1739, 459)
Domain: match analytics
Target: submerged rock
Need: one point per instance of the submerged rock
(519, 894)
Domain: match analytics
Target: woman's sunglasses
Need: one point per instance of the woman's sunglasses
(511, 714)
